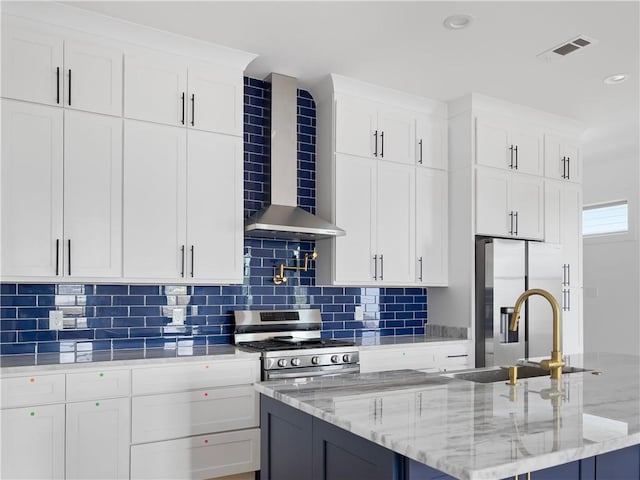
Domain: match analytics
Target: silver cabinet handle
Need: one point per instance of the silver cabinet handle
(516, 150)
(382, 146)
(182, 120)
(420, 144)
(193, 254)
(564, 167)
(381, 266)
(568, 274)
(193, 109)
(516, 217)
(69, 263)
(375, 136)
(569, 300)
(182, 261)
(511, 222)
(568, 168)
(57, 256)
(375, 267)
(420, 261)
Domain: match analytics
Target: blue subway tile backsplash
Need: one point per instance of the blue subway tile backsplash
(136, 316)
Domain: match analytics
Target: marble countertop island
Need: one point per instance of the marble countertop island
(481, 431)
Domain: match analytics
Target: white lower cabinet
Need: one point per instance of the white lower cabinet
(192, 413)
(200, 457)
(33, 442)
(195, 421)
(428, 357)
(97, 439)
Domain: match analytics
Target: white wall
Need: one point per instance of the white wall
(612, 264)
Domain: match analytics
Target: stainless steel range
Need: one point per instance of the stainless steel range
(291, 344)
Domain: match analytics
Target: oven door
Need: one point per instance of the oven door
(311, 371)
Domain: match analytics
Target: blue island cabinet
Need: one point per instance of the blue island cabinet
(298, 446)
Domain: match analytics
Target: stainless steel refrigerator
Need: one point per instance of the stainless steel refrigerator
(505, 269)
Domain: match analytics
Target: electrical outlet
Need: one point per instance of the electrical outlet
(359, 313)
(178, 316)
(56, 320)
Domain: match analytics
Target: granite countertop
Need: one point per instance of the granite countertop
(45, 362)
(481, 431)
(364, 343)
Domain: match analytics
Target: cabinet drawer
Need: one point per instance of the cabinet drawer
(396, 358)
(32, 390)
(93, 385)
(174, 415)
(201, 457)
(178, 378)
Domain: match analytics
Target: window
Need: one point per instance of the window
(605, 218)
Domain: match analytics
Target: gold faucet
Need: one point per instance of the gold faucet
(555, 363)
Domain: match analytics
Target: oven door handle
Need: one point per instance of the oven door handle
(301, 373)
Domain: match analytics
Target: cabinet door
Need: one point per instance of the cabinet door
(432, 227)
(198, 458)
(154, 201)
(98, 439)
(431, 142)
(552, 209)
(155, 88)
(214, 207)
(396, 130)
(561, 159)
(573, 161)
(492, 203)
(355, 213)
(93, 78)
(31, 66)
(32, 172)
(356, 123)
(92, 195)
(571, 234)
(492, 144)
(527, 203)
(33, 442)
(395, 223)
(215, 100)
(528, 155)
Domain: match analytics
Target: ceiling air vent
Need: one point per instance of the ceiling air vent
(571, 46)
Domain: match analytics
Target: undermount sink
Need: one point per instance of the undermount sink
(498, 374)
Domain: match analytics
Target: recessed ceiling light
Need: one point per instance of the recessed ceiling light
(616, 79)
(458, 22)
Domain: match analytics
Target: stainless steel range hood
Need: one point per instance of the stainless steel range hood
(283, 218)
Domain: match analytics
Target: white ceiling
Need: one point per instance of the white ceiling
(403, 45)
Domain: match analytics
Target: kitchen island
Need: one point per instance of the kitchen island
(407, 424)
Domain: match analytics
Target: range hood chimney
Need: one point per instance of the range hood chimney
(283, 218)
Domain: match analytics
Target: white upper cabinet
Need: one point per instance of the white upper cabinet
(396, 223)
(92, 78)
(92, 195)
(432, 257)
(369, 129)
(375, 205)
(49, 69)
(32, 189)
(184, 223)
(38, 180)
(155, 88)
(154, 204)
(373, 145)
(499, 144)
(32, 65)
(431, 142)
(166, 89)
(509, 205)
(356, 214)
(562, 159)
(215, 100)
(214, 207)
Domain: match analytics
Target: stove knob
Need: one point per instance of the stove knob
(315, 360)
(295, 362)
(335, 359)
(282, 362)
(346, 358)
